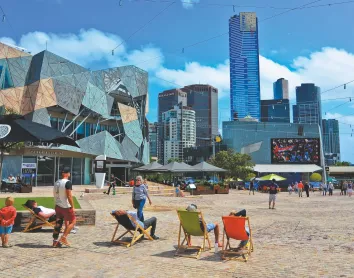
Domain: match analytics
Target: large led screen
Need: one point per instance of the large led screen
(295, 150)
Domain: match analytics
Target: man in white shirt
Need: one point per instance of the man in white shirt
(64, 208)
(44, 212)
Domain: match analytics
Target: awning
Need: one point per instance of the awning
(286, 168)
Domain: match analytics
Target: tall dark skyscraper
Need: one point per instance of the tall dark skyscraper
(244, 66)
(331, 144)
(153, 139)
(281, 89)
(308, 105)
(203, 99)
(167, 100)
(275, 110)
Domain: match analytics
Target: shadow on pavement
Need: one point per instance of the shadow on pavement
(166, 254)
(105, 244)
(33, 245)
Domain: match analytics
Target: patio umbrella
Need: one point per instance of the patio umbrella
(271, 177)
(206, 167)
(175, 167)
(15, 129)
(149, 167)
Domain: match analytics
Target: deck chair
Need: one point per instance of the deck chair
(33, 221)
(234, 228)
(190, 225)
(126, 221)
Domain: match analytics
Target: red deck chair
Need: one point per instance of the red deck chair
(234, 228)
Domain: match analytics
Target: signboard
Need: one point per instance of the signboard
(28, 169)
(327, 169)
(100, 166)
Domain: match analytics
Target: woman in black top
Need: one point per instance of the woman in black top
(307, 189)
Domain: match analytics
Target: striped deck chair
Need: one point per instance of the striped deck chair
(44, 222)
(126, 221)
(190, 225)
(234, 228)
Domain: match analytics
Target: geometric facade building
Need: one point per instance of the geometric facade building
(244, 66)
(103, 110)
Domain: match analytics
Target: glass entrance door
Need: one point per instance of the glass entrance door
(46, 171)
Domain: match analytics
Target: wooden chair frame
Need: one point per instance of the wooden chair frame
(33, 219)
(136, 234)
(182, 246)
(241, 255)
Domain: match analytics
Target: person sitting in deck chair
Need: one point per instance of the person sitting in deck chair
(44, 212)
(241, 213)
(210, 227)
(146, 224)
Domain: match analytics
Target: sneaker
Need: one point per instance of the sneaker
(155, 237)
(6, 245)
(73, 231)
(64, 241)
(56, 244)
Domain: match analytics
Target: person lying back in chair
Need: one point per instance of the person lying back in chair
(209, 226)
(147, 223)
(241, 213)
(44, 212)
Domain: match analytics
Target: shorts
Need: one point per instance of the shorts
(65, 213)
(272, 197)
(210, 227)
(5, 230)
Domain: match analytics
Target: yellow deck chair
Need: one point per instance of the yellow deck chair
(126, 221)
(234, 228)
(34, 218)
(190, 225)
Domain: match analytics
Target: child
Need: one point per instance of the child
(7, 220)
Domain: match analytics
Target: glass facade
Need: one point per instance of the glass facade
(330, 131)
(275, 110)
(244, 66)
(281, 89)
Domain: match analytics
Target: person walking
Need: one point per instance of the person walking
(112, 183)
(300, 188)
(350, 189)
(307, 189)
(345, 187)
(273, 190)
(324, 189)
(342, 188)
(64, 208)
(290, 189)
(330, 189)
(251, 188)
(296, 187)
(139, 196)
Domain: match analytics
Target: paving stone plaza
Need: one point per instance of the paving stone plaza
(302, 237)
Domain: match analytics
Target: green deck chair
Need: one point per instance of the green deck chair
(190, 224)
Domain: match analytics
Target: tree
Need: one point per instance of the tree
(343, 163)
(316, 177)
(237, 165)
(250, 177)
(173, 159)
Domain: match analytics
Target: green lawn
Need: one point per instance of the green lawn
(47, 202)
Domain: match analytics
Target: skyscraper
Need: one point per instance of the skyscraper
(153, 139)
(179, 131)
(167, 100)
(244, 66)
(203, 99)
(308, 105)
(281, 89)
(275, 110)
(331, 145)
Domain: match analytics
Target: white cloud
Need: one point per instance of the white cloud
(189, 4)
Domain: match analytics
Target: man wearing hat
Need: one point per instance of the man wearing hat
(64, 208)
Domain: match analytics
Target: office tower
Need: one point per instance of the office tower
(275, 110)
(153, 139)
(281, 89)
(203, 99)
(331, 145)
(244, 66)
(308, 105)
(179, 129)
(167, 100)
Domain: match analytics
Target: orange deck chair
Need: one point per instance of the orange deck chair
(234, 228)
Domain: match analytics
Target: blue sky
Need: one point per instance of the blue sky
(307, 45)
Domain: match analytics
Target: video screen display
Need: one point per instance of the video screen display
(295, 150)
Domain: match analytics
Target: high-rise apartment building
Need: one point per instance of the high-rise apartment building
(308, 105)
(244, 66)
(179, 129)
(281, 89)
(275, 110)
(153, 139)
(167, 100)
(203, 99)
(331, 145)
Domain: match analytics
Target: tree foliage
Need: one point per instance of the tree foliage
(316, 177)
(343, 163)
(237, 165)
(173, 159)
